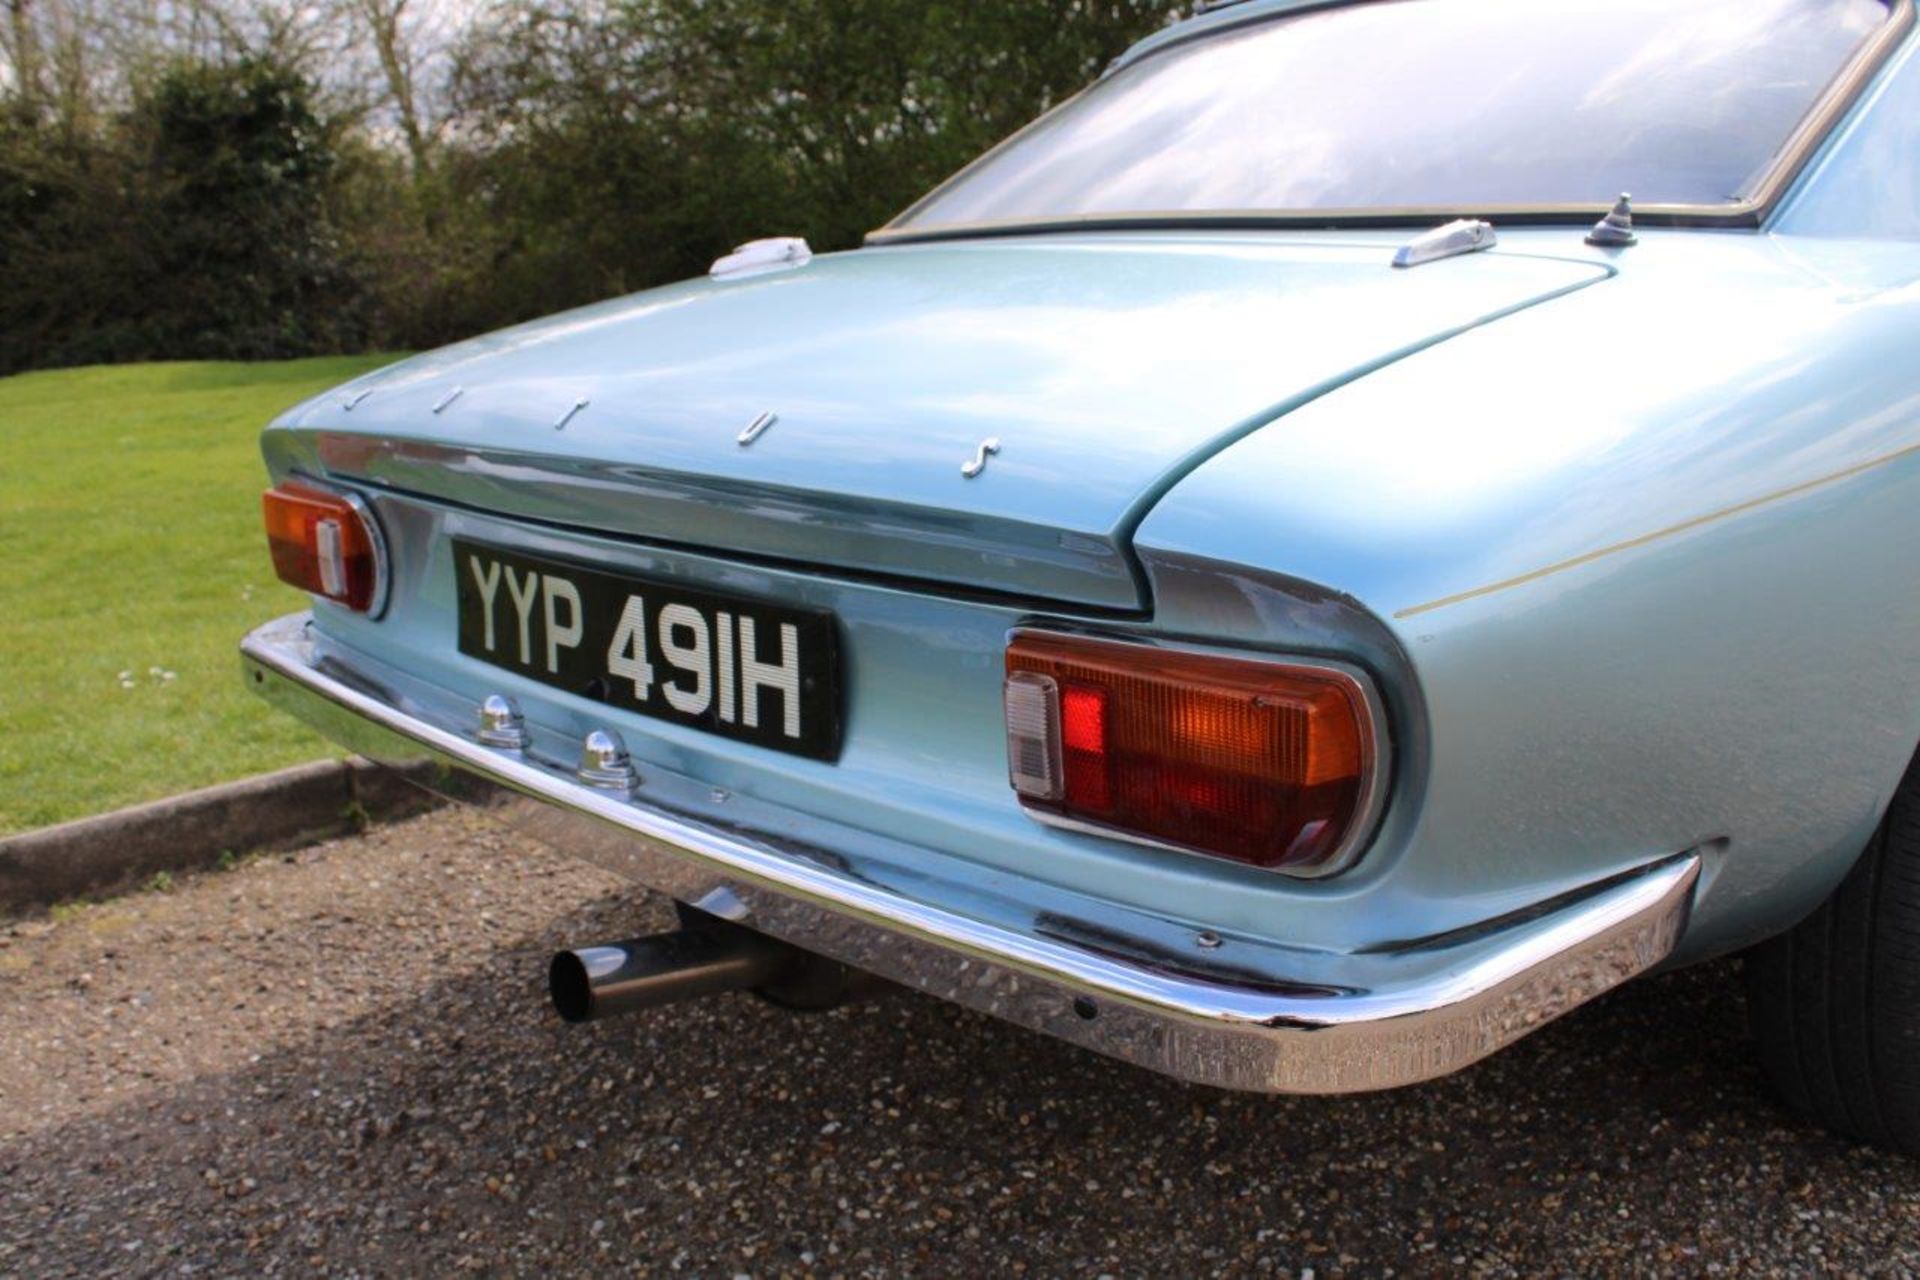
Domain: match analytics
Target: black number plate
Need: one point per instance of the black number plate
(745, 669)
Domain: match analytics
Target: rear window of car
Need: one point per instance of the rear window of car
(1430, 104)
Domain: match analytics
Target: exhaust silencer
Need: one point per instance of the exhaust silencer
(598, 982)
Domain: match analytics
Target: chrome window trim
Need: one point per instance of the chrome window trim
(1377, 749)
(1747, 212)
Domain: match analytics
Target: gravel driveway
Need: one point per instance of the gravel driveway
(341, 1062)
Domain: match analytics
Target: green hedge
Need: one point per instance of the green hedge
(590, 148)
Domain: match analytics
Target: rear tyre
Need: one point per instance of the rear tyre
(1835, 1003)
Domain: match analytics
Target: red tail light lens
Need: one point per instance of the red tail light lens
(326, 543)
(1259, 761)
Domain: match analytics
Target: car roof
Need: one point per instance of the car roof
(1213, 15)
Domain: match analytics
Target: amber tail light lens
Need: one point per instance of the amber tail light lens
(327, 544)
(1259, 761)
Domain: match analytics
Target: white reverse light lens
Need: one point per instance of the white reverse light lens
(332, 556)
(1033, 735)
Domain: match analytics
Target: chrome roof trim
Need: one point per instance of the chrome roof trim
(1212, 16)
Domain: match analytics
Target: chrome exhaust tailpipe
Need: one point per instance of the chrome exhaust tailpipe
(591, 983)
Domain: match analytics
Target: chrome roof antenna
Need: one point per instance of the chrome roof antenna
(1615, 231)
(1465, 235)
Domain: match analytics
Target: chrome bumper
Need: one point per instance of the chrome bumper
(1424, 1012)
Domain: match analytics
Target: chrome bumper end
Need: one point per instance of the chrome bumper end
(1443, 1004)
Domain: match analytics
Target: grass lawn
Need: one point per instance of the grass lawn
(131, 561)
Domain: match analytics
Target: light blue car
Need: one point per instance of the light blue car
(1279, 572)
